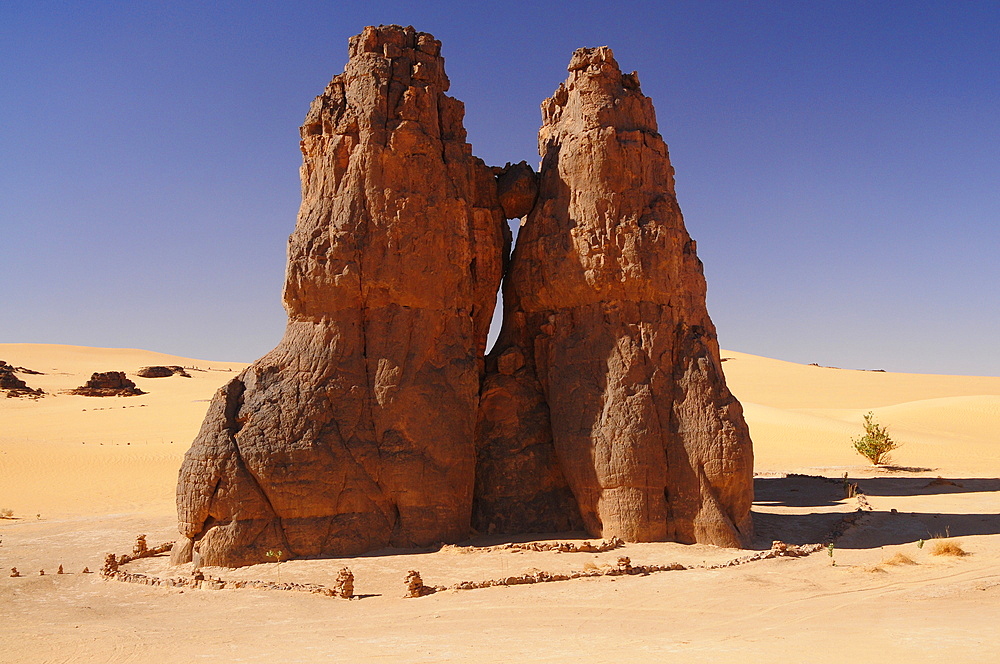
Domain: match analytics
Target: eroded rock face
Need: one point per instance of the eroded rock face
(356, 432)
(605, 403)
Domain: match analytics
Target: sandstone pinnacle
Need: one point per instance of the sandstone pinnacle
(378, 422)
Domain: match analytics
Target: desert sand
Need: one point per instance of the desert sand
(84, 475)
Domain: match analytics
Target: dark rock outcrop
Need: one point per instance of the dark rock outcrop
(162, 372)
(355, 433)
(605, 403)
(14, 386)
(108, 384)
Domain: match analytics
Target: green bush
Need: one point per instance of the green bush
(876, 444)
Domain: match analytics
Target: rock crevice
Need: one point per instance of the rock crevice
(380, 421)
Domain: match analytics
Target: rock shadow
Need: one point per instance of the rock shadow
(827, 501)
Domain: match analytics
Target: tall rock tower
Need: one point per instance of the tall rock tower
(356, 432)
(605, 404)
(376, 421)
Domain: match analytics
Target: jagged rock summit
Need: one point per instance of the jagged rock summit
(355, 433)
(605, 404)
(377, 422)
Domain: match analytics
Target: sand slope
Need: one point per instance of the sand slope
(98, 473)
(803, 417)
(65, 455)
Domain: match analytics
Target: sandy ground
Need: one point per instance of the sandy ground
(84, 475)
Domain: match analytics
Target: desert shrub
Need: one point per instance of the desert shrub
(946, 547)
(876, 444)
(899, 559)
(6, 513)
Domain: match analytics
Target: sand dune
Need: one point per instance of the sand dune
(802, 417)
(84, 475)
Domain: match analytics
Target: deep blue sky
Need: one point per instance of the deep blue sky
(838, 163)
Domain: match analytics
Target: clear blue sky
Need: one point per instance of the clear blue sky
(837, 162)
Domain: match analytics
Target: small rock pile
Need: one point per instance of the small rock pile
(415, 585)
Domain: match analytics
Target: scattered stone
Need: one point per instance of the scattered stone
(108, 384)
(561, 547)
(415, 585)
(14, 572)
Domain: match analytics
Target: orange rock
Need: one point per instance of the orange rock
(356, 432)
(605, 403)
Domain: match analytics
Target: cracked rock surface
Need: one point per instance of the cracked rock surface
(378, 422)
(355, 432)
(604, 405)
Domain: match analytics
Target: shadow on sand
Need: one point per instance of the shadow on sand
(779, 505)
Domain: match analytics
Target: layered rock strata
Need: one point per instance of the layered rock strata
(356, 432)
(605, 404)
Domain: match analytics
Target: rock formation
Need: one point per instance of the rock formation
(604, 403)
(108, 384)
(376, 421)
(14, 386)
(356, 432)
(162, 372)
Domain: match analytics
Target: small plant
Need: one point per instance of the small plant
(899, 559)
(876, 444)
(6, 513)
(276, 554)
(946, 547)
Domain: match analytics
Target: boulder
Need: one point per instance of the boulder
(517, 189)
(604, 403)
(356, 432)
